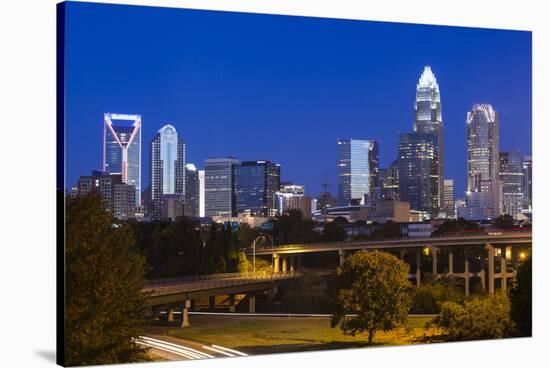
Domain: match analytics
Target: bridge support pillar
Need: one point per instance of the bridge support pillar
(342, 254)
(402, 253)
(232, 303)
(291, 261)
(185, 313)
(491, 266)
(275, 263)
(284, 264)
(451, 261)
(252, 304)
(434, 260)
(418, 267)
(466, 275)
(299, 262)
(503, 269)
(212, 303)
(170, 314)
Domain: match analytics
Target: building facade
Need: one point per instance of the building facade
(389, 182)
(484, 190)
(122, 149)
(257, 183)
(301, 203)
(219, 187)
(167, 170)
(428, 119)
(418, 171)
(288, 190)
(192, 191)
(448, 198)
(511, 179)
(357, 171)
(527, 182)
(118, 197)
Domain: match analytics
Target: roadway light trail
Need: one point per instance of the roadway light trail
(229, 350)
(196, 354)
(172, 351)
(218, 351)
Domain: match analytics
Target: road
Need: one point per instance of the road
(170, 348)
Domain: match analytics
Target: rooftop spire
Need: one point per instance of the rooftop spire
(427, 79)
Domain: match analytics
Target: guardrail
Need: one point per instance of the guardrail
(220, 279)
(495, 233)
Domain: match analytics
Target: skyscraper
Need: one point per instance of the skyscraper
(167, 169)
(256, 185)
(527, 182)
(511, 179)
(428, 119)
(483, 194)
(418, 171)
(202, 197)
(122, 148)
(448, 198)
(389, 182)
(357, 171)
(219, 187)
(118, 198)
(192, 191)
(288, 190)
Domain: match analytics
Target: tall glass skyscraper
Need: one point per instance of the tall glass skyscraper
(389, 182)
(357, 171)
(219, 187)
(122, 148)
(484, 190)
(511, 179)
(167, 168)
(428, 119)
(192, 191)
(418, 171)
(527, 182)
(257, 183)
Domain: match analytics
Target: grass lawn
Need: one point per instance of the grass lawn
(275, 334)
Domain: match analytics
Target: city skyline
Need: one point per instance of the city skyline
(354, 118)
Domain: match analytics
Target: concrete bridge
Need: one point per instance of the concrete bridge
(178, 294)
(494, 255)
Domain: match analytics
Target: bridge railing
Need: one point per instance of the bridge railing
(260, 275)
(404, 238)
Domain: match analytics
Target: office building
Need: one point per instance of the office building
(288, 190)
(483, 197)
(257, 183)
(527, 182)
(428, 119)
(220, 187)
(448, 198)
(389, 182)
(418, 171)
(167, 170)
(357, 171)
(122, 149)
(301, 203)
(201, 194)
(118, 197)
(192, 191)
(512, 181)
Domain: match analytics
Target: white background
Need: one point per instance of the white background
(27, 179)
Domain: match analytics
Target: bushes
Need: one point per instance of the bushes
(476, 319)
(428, 298)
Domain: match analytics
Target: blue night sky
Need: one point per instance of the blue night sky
(282, 88)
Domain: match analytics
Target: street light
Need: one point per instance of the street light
(254, 249)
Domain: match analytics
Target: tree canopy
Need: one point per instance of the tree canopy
(104, 305)
(375, 287)
(521, 299)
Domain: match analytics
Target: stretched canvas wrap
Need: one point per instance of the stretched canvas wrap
(235, 184)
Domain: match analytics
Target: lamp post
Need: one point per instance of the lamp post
(254, 249)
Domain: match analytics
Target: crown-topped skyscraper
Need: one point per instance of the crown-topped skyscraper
(428, 119)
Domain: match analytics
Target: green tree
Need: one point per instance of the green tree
(104, 305)
(476, 319)
(454, 226)
(375, 287)
(334, 232)
(504, 222)
(389, 230)
(521, 299)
